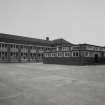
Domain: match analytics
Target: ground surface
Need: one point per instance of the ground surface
(39, 84)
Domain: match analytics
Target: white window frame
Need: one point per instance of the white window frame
(74, 53)
(68, 54)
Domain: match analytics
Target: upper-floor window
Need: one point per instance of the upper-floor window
(89, 48)
(75, 48)
(47, 49)
(65, 48)
(53, 49)
(57, 49)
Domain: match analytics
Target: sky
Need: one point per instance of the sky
(77, 21)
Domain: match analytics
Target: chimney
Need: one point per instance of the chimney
(47, 38)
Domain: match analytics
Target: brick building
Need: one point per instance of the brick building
(23, 49)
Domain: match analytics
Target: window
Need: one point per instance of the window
(65, 48)
(59, 54)
(5, 53)
(5, 45)
(49, 55)
(57, 49)
(11, 46)
(11, 53)
(67, 54)
(86, 54)
(52, 54)
(75, 54)
(46, 55)
(53, 49)
(17, 46)
(21, 54)
(75, 47)
(0, 54)
(2, 45)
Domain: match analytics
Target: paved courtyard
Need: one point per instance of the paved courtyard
(42, 84)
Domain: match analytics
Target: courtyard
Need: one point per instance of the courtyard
(43, 84)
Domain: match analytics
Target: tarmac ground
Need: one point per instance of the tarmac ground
(46, 84)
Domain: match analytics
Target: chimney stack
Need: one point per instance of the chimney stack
(47, 38)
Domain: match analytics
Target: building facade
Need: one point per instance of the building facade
(23, 49)
(81, 54)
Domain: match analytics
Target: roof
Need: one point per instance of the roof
(23, 40)
(85, 44)
(61, 42)
(8, 38)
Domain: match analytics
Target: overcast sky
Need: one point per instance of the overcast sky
(78, 21)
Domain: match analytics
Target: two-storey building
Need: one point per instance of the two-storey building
(15, 48)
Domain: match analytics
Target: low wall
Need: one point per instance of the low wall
(73, 60)
(62, 60)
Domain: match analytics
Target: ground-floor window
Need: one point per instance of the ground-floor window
(14, 55)
(50, 54)
(67, 54)
(35, 56)
(53, 54)
(24, 55)
(59, 54)
(46, 54)
(75, 53)
(3, 55)
(87, 54)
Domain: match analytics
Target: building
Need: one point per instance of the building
(23, 49)
(81, 54)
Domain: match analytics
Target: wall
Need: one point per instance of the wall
(62, 60)
(73, 60)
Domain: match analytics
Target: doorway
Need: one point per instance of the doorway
(96, 58)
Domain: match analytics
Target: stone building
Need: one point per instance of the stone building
(15, 48)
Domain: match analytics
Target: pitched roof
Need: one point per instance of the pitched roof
(8, 38)
(61, 42)
(23, 40)
(86, 44)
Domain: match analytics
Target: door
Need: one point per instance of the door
(96, 58)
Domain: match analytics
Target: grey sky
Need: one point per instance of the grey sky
(78, 21)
